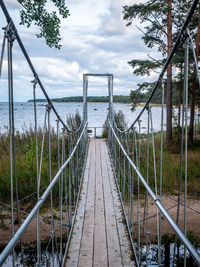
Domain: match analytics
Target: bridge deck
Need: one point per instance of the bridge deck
(99, 236)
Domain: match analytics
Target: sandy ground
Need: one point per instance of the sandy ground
(193, 221)
(29, 235)
(170, 204)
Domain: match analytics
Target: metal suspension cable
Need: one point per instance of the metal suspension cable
(161, 166)
(146, 207)
(61, 198)
(2, 53)
(138, 196)
(194, 56)
(156, 189)
(37, 169)
(10, 93)
(9, 21)
(50, 180)
(186, 46)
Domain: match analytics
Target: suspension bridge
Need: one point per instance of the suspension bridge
(102, 210)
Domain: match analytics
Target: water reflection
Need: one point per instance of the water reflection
(30, 258)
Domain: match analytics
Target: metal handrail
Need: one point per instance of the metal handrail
(158, 203)
(8, 249)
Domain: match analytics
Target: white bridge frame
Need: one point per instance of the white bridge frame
(85, 92)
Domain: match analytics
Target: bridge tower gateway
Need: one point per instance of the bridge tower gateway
(85, 92)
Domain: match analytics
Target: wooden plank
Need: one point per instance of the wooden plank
(124, 240)
(87, 246)
(74, 248)
(100, 236)
(100, 242)
(114, 250)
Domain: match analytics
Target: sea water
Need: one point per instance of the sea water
(97, 113)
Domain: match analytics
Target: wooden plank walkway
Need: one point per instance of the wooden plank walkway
(99, 237)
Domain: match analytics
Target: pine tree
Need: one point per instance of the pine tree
(160, 18)
(157, 33)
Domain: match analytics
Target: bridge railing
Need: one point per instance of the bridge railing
(58, 162)
(68, 180)
(137, 158)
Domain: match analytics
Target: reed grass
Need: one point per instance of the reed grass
(25, 162)
(171, 166)
(25, 145)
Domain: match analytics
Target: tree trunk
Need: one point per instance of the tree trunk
(169, 76)
(194, 86)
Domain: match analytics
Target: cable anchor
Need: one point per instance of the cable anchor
(10, 32)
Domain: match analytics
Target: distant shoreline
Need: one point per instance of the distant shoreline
(98, 102)
(90, 99)
(117, 99)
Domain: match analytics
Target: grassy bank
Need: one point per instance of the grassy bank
(171, 167)
(25, 150)
(25, 162)
(171, 161)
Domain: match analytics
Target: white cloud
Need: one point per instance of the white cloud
(56, 68)
(13, 3)
(94, 39)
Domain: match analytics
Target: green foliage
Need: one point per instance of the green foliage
(35, 12)
(171, 157)
(25, 162)
(167, 238)
(143, 67)
(26, 159)
(136, 97)
(74, 122)
(105, 130)
(120, 120)
(153, 13)
(194, 239)
(142, 93)
(153, 16)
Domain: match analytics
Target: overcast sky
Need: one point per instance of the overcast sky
(94, 39)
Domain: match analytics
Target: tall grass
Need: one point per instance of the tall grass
(171, 166)
(74, 121)
(25, 162)
(26, 158)
(120, 121)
